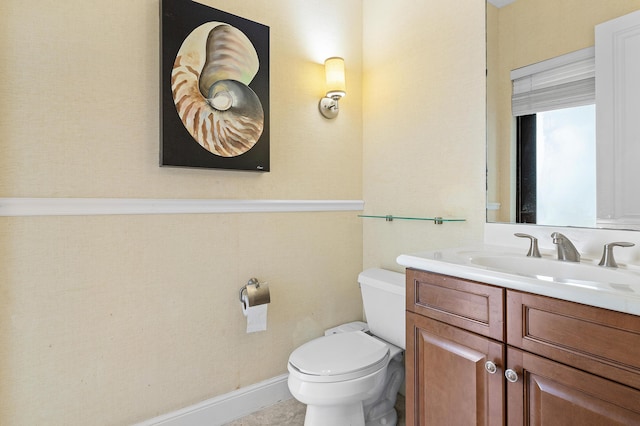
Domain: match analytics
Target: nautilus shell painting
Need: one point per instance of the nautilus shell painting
(209, 84)
(217, 84)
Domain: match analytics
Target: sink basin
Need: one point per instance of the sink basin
(585, 282)
(587, 274)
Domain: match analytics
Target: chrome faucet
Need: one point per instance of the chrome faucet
(566, 250)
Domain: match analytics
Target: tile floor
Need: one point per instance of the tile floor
(291, 413)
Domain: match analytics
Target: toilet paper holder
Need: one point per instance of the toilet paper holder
(254, 293)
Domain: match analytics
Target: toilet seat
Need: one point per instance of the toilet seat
(339, 357)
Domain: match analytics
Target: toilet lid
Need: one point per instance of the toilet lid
(339, 354)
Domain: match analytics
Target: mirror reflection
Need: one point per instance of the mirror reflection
(541, 145)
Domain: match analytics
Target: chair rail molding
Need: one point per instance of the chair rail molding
(132, 206)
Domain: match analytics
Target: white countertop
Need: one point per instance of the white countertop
(458, 262)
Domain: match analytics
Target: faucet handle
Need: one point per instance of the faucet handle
(607, 255)
(533, 247)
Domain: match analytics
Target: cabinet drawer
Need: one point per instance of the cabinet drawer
(602, 342)
(466, 304)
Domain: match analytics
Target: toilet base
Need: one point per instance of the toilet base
(389, 419)
(337, 415)
(381, 411)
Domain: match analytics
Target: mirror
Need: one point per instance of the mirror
(521, 33)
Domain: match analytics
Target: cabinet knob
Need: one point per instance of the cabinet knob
(511, 375)
(490, 367)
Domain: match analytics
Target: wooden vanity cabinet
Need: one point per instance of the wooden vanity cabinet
(446, 381)
(551, 393)
(572, 364)
(454, 327)
(576, 364)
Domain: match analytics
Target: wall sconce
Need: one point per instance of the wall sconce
(336, 87)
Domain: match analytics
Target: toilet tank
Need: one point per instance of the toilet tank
(383, 297)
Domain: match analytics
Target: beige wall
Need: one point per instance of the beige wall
(424, 112)
(523, 33)
(116, 319)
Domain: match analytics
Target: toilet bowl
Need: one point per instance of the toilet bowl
(353, 377)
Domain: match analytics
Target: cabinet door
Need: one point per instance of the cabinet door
(550, 393)
(447, 382)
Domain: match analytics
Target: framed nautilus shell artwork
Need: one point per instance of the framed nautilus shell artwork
(214, 88)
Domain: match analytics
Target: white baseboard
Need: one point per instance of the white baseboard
(228, 407)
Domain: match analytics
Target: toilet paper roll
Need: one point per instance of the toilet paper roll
(256, 315)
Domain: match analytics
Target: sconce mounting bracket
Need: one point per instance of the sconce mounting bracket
(328, 107)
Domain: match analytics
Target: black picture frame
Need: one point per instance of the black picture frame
(178, 148)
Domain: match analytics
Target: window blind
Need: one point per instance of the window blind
(561, 82)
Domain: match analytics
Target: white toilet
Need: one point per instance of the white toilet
(352, 378)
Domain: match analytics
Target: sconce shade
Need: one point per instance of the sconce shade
(334, 72)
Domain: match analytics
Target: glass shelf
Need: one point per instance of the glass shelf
(390, 218)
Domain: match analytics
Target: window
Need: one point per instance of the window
(557, 167)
